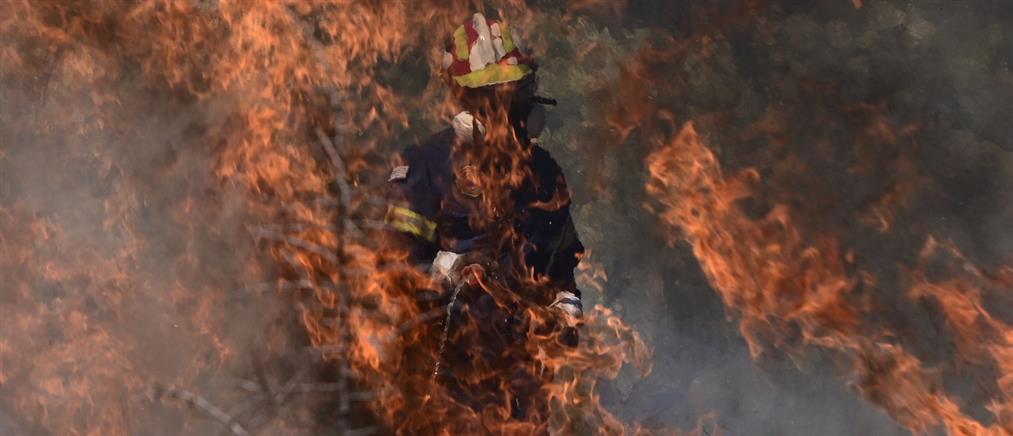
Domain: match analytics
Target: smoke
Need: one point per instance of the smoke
(880, 124)
(128, 260)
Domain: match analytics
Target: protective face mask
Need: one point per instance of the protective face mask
(536, 121)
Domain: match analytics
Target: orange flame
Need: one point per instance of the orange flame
(792, 290)
(265, 154)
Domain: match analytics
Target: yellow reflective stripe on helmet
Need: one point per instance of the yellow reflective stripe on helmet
(508, 41)
(461, 41)
(409, 221)
(493, 74)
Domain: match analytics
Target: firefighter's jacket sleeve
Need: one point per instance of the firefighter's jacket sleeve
(553, 248)
(413, 206)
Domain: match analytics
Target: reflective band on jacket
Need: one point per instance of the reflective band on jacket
(409, 221)
(493, 75)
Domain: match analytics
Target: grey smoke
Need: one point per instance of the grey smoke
(943, 66)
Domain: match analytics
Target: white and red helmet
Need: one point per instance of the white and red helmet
(484, 52)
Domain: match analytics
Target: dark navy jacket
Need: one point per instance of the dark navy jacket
(431, 213)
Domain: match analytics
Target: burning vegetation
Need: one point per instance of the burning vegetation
(192, 197)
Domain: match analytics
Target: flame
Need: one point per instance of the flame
(793, 290)
(285, 154)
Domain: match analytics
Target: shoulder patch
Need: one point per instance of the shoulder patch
(399, 173)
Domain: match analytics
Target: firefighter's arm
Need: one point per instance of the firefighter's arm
(565, 250)
(564, 257)
(555, 235)
(411, 209)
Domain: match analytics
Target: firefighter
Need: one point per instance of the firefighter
(437, 192)
(459, 208)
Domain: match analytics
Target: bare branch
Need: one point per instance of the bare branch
(311, 247)
(340, 175)
(292, 227)
(422, 318)
(200, 403)
(362, 431)
(306, 388)
(277, 286)
(372, 224)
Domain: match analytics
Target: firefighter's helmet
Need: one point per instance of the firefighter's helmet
(484, 52)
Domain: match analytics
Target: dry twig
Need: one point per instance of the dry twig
(311, 247)
(200, 403)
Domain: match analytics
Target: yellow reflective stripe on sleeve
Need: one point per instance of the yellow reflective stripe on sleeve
(404, 211)
(508, 41)
(407, 228)
(461, 41)
(409, 221)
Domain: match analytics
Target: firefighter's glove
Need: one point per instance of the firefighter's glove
(568, 303)
(455, 268)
